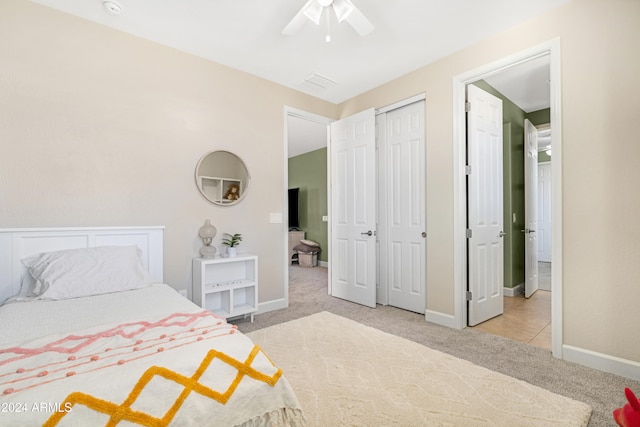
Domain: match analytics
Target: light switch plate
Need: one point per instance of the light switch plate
(325, 218)
(275, 218)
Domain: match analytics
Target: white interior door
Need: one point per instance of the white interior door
(485, 206)
(353, 203)
(530, 208)
(543, 234)
(405, 207)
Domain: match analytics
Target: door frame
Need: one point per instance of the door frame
(545, 163)
(530, 210)
(551, 48)
(293, 112)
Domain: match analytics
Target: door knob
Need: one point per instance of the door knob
(424, 234)
(368, 233)
(502, 234)
(527, 231)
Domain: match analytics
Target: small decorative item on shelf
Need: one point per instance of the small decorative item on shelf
(231, 242)
(233, 192)
(207, 232)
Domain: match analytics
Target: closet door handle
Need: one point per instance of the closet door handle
(368, 233)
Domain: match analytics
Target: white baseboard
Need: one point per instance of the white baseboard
(323, 264)
(512, 292)
(602, 362)
(441, 319)
(276, 304)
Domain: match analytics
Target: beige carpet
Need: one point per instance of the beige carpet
(349, 374)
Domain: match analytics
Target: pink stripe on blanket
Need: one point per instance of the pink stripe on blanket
(119, 330)
(118, 358)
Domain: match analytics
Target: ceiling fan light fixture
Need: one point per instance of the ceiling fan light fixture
(345, 10)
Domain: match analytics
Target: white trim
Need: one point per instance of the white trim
(602, 362)
(408, 101)
(551, 48)
(67, 229)
(557, 338)
(441, 319)
(301, 114)
(276, 304)
(329, 207)
(512, 292)
(323, 264)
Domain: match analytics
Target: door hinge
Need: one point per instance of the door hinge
(469, 296)
(467, 170)
(469, 233)
(467, 107)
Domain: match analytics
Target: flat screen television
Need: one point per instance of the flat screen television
(294, 218)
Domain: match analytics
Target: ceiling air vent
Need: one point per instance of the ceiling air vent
(317, 82)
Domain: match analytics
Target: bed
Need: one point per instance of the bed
(92, 336)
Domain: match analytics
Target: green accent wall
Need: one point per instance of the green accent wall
(309, 173)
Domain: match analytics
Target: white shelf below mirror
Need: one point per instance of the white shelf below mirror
(226, 286)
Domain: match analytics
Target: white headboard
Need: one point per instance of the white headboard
(18, 243)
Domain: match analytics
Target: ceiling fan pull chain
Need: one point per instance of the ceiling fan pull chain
(328, 18)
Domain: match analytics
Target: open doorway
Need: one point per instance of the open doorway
(305, 189)
(502, 192)
(513, 224)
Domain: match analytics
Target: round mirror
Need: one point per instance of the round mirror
(222, 178)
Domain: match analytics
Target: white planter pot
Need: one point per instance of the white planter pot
(231, 252)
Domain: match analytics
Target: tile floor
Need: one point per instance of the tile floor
(526, 320)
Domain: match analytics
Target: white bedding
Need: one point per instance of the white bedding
(142, 354)
(23, 321)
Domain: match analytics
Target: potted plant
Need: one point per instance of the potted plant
(231, 241)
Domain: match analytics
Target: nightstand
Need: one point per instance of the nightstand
(226, 286)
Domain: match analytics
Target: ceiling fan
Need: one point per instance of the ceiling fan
(344, 10)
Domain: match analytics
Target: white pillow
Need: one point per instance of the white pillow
(88, 271)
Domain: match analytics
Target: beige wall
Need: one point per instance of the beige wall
(100, 128)
(600, 67)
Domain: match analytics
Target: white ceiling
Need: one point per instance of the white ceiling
(246, 35)
(525, 84)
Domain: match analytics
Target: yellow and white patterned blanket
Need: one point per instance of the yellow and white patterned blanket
(180, 370)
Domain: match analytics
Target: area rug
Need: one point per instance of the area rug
(348, 374)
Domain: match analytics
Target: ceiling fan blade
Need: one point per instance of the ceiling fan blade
(313, 11)
(342, 9)
(298, 21)
(358, 21)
